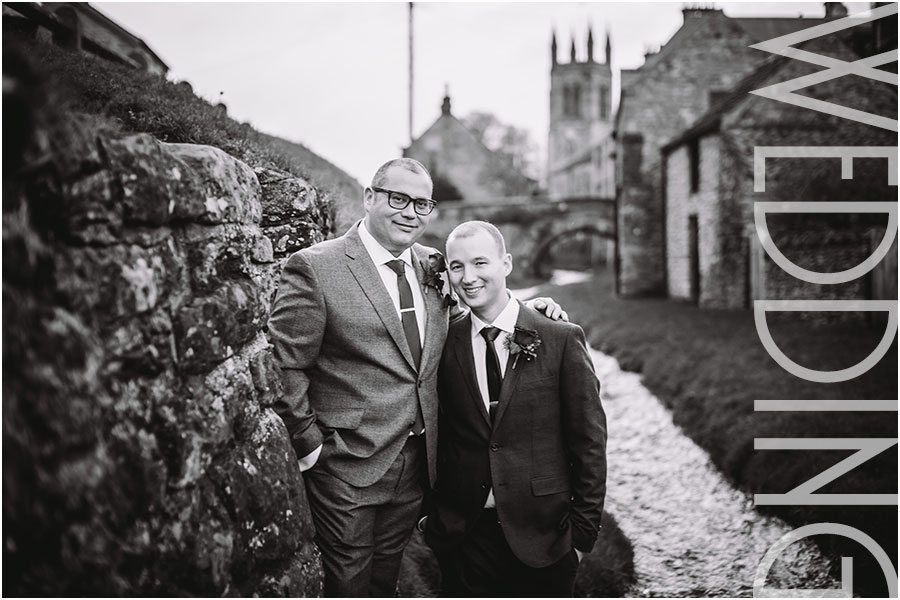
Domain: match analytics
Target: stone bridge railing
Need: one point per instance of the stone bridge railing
(528, 223)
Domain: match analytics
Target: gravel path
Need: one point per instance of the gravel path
(693, 534)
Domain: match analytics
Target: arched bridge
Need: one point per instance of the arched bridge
(574, 233)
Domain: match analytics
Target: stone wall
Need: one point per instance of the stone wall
(710, 53)
(733, 271)
(141, 455)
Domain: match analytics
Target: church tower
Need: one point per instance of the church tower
(581, 122)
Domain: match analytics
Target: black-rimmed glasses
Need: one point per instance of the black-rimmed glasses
(399, 201)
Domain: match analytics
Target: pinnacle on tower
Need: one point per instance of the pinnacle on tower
(590, 44)
(572, 51)
(553, 47)
(445, 106)
(608, 49)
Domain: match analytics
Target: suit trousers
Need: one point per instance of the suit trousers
(484, 566)
(361, 532)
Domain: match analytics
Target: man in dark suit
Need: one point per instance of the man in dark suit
(358, 325)
(522, 444)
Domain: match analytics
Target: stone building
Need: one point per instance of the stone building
(580, 149)
(712, 252)
(699, 65)
(464, 168)
(80, 26)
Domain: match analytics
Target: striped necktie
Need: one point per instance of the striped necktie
(410, 328)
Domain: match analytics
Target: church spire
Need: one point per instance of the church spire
(590, 44)
(608, 49)
(572, 51)
(553, 47)
(445, 107)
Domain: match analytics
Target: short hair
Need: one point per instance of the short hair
(472, 227)
(410, 164)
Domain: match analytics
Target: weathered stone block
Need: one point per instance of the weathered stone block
(271, 519)
(95, 215)
(266, 377)
(288, 238)
(150, 179)
(284, 196)
(300, 578)
(211, 328)
(228, 187)
(141, 347)
(119, 281)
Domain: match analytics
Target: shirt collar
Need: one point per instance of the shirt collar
(505, 321)
(380, 255)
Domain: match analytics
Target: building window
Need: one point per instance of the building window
(604, 102)
(572, 100)
(694, 158)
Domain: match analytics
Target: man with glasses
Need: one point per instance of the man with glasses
(358, 334)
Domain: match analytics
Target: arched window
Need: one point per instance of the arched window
(604, 102)
(576, 100)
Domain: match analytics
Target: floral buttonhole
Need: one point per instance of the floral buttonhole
(435, 279)
(523, 342)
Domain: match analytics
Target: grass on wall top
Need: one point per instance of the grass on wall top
(133, 101)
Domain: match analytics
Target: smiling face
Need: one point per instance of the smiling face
(394, 229)
(478, 267)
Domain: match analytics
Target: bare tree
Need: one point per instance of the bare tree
(507, 140)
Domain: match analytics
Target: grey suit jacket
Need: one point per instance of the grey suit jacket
(349, 379)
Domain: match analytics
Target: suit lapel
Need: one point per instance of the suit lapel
(366, 273)
(432, 348)
(466, 360)
(511, 376)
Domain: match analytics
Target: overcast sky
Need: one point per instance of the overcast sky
(335, 76)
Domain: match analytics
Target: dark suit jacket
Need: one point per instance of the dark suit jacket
(349, 379)
(545, 455)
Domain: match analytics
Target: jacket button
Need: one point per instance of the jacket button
(495, 447)
(420, 383)
(484, 486)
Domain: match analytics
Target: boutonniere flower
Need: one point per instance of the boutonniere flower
(434, 278)
(523, 342)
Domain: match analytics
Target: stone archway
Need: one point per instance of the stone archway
(575, 249)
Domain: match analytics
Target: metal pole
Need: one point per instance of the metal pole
(410, 73)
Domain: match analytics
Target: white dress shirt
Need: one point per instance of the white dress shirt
(381, 256)
(506, 323)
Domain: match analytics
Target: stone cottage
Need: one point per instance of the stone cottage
(702, 62)
(462, 167)
(711, 251)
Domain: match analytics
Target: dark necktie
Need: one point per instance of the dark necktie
(410, 327)
(492, 364)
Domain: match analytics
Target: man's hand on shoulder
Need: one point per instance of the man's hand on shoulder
(549, 307)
